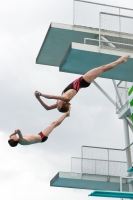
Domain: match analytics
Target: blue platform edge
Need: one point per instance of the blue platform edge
(130, 169)
(112, 194)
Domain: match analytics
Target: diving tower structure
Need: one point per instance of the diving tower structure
(98, 168)
(102, 37)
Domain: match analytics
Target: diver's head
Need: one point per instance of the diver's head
(63, 106)
(13, 141)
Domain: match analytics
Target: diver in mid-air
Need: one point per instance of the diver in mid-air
(18, 138)
(71, 90)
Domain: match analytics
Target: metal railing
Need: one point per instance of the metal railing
(107, 42)
(115, 22)
(111, 21)
(86, 13)
(101, 161)
(98, 167)
(100, 42)
(106, 28)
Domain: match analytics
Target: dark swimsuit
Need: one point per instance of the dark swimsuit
(44, 138)
(77, 84)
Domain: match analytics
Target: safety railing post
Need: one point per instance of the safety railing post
(81, 161)
(119, 21)
(73, 12)
(99, 30)
(71, 164)
(108, 162)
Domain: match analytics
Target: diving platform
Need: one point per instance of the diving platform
(57, 41)
(64, 47)
(112, 194)
(88, 181)
(80, 58)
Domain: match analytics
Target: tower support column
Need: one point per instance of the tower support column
(128, 152)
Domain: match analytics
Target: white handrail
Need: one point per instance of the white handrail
(104, 5)
(131, 45)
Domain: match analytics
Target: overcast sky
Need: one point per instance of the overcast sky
(26, 171)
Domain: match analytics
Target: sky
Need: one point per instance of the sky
(26, 171)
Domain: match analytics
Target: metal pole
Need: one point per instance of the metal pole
(126, 90)
(130, 125)
(95, 166)
(119, 22)
(71, 164)
(108, 42)
(108, 164)
(127, 143)
(104, 5)
(117, 92)
(99, 31)
(128, 152)
(73, 12)
(81, 161)
(120, 184)
(112, 101)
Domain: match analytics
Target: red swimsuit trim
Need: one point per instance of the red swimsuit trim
(76, 83)
(44, 138)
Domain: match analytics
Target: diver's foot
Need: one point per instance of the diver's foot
(124, 58)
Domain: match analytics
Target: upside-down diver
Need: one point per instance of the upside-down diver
(18, 138)
(71, 90)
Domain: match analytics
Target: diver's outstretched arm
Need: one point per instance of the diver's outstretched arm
(49, 96)
(37, 95)
(54, 124)
(60, 120)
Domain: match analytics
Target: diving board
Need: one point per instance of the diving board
(80, 58)
(57, 40)
(88, 181)
(64, 47)
(112, 194)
